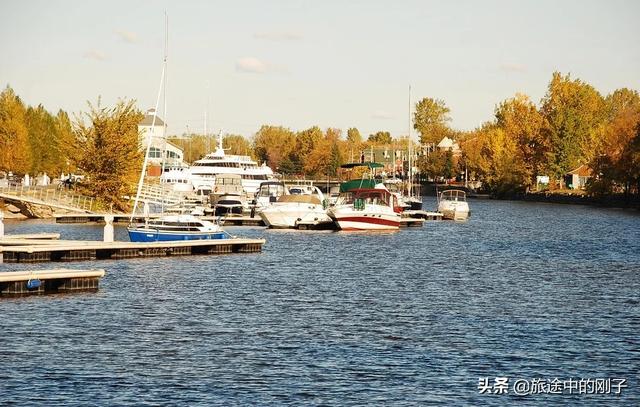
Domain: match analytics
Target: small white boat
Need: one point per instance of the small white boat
(453, 204)
(228, 195)
(289, 211)
(366, 209)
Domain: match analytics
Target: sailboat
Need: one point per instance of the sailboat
(168, 227)
(413, 199)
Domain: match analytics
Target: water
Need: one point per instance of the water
(522, 290)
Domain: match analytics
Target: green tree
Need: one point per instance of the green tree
(574, 114)
(15, 154)
(431, 119)
(110, 154)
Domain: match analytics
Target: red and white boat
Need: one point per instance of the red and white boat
(366, 209)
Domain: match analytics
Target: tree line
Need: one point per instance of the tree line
(573, 125)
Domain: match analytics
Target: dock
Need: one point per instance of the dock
(68, 250)
(426, 215)
(17, 283)
(124, 219)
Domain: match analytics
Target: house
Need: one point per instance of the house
(152, 132)
(447, 144)
(577, 178)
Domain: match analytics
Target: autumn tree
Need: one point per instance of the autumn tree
(521, 121)
(237, 145)
(46, 154)
(617, 162)
(380, 138)
(273, 144)
(574, 117)
(15, 154)
(431, 119)
(66, 142)
(109, 152)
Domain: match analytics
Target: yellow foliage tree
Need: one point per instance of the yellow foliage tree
(109, 152)
(15, 154)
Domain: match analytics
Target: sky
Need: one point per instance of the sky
(341, 64)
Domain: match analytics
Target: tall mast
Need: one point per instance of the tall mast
(164, 93)
(410, 148)
(149, 139)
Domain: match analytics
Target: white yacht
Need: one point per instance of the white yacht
(304, 205)
(202, 174)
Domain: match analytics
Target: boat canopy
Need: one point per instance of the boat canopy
(369, 164)
(357, 184)
(307, 199)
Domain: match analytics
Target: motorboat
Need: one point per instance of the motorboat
(304, 205)
(228, 195)
(175, 227)
(452, 203)
(268, 194)
(366, 209)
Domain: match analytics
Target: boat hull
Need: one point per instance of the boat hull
(350, 219)
(290, 217)
(454, 210)
(152, 235)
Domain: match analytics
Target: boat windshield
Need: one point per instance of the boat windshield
(453, 195)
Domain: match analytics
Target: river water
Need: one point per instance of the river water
(522, 291)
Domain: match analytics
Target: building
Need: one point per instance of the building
(578, 178)
(447, 144)
(152, 131)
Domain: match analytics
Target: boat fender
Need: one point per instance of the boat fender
(33, 283)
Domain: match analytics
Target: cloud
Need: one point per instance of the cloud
(382, 115)
(278, 36)
(251, 65)
(513, 68)
(94, 54)
(127, 36)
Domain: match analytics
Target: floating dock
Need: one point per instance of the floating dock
(17, 283)
(426, 215)
(92, 250)
(124, 219)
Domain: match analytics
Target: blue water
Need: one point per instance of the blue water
(417, 317)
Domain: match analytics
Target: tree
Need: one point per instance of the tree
(66, 140)
(430, 119)
(437, 164)
(306, 142)
(110, 154)
(353, 136)
(272, 144)
(574, 118)
(519, 118)
(380, 137)
(15, 154)
(237, 145)
(616, 163)
(46, 155)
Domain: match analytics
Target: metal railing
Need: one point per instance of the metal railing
(50, 195)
